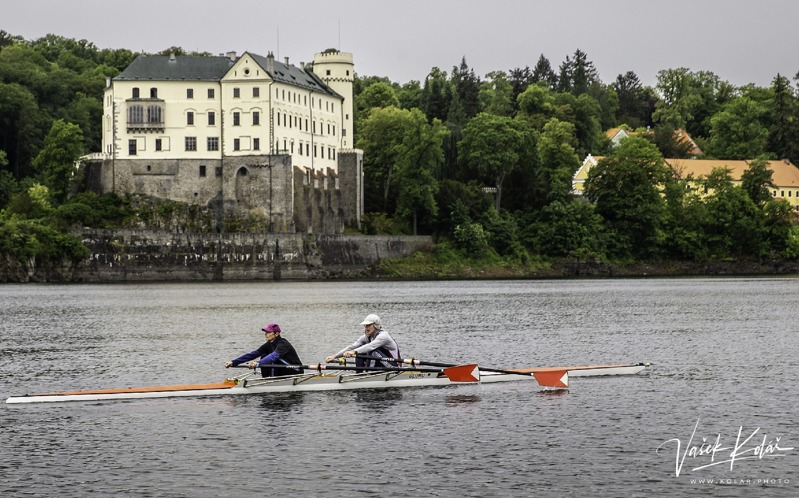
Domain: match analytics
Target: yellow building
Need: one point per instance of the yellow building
(785, 175)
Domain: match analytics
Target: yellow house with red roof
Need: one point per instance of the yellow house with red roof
(785, 175)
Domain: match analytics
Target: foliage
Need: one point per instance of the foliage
(494, 145)
(56, 161)
(432, 148)
(625, 187)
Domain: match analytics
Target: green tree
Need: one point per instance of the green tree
(543, 72)
(558, 159)
(734, 225)
(57, 159)
(633, 104)
(625, 189)
(420, 153)
(739, 131)
(571, 228)
(436, 95)
(783, 139)
(494, 145)
(756, 181)
(496, 94)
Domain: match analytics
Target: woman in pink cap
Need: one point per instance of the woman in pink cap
(275, 351)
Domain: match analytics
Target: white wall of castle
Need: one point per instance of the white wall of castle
(246, 113)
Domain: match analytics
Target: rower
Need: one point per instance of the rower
(375, 341)
(276, 350)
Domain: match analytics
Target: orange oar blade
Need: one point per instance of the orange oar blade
(552, 378)
(463, 373)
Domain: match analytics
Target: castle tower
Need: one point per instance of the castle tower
(337, 70)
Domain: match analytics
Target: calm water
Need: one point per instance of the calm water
(724, 353)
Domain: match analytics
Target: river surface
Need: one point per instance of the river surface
(724, 367)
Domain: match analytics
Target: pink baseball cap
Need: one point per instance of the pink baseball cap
(272, 327)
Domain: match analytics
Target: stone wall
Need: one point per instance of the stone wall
(139, 255)
(261, 186)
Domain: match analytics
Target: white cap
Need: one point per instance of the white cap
(371, 320)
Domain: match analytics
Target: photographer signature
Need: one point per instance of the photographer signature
(718, 454)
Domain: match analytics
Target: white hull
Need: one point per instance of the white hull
(314, 382)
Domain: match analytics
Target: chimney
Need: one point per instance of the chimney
(231, 55)
(172, 57)
(287, 60)
(302, 66)
(270, 63)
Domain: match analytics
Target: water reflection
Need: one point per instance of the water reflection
(377, 399)
(457, 399)
(282, 402)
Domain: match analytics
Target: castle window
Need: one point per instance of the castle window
(334, 130)
(136, 114)
(327, 72)
(153, 93)
(278, 119)
(256, 92)
(132, 147)
(307, 149)
(236, 119)
(256, 143)
(190, 118)
(190, 93)
(213, 143)
(157, 144)
(236, 144)
(210, 93)
(218, 170)
(256, 118)
(211, 118)
(191, 143)
(135, 93)
(153, 114)
(236, 93)
(202, 171)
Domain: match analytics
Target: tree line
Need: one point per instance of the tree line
(485, 164)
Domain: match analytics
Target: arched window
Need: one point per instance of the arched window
(135, 93)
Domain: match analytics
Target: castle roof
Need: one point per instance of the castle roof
(176, 68)
(214, 68)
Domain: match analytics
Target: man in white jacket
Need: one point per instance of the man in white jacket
(375, 341)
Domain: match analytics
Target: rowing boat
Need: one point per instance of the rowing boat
(250, 383)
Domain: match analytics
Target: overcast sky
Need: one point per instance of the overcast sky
(741, 41)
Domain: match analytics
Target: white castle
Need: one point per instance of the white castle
(245, 133)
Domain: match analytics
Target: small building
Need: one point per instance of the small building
(240, 134)
(616, 135)
(785, 174)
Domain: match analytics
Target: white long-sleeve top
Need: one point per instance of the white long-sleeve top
(366, 344)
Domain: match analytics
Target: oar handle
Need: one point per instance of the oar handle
(407, 361)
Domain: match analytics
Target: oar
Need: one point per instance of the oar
(548, 378)
(455, 373)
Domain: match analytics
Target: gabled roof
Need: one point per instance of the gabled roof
(176, 68)
(202, 68)
(292, 75)
(680, 136)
